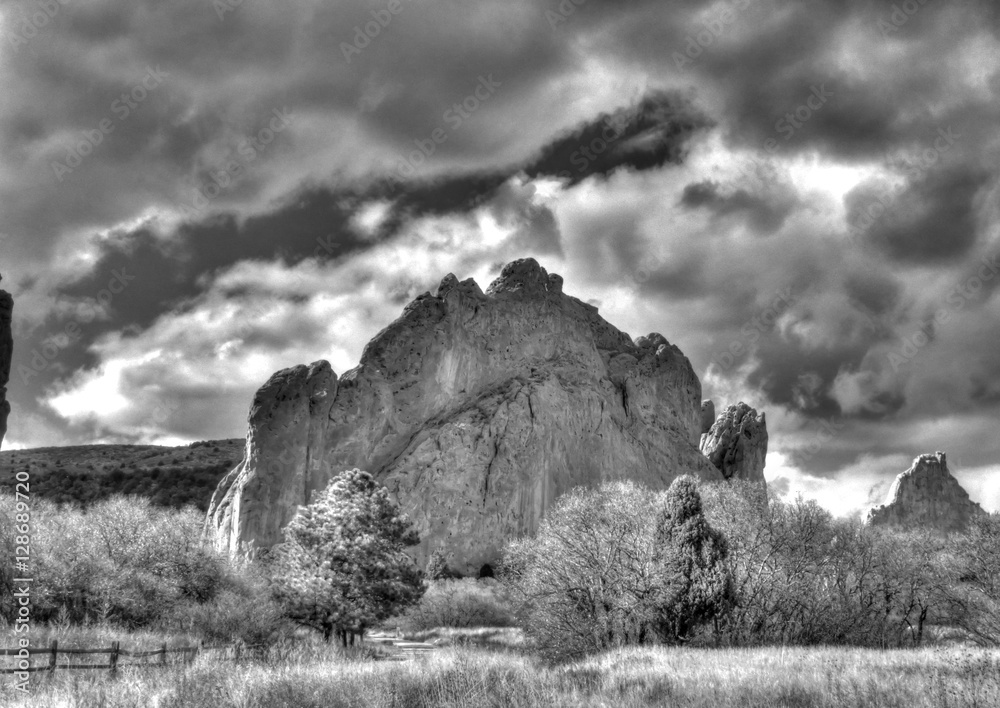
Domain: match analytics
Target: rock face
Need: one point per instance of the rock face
(736, 444)
(707, 416)
(476, 410)
(6, 350)
(926, 495)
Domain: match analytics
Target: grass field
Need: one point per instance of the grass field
(488, 668)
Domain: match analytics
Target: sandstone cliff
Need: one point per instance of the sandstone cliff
(476, 410)
(926, 495)
(6, 350)
(737, 443)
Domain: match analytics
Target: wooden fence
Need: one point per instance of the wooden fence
(114, 652)
(401, 650)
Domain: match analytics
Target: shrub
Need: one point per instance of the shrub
(437, 567)
(250, 617)
(460, 603)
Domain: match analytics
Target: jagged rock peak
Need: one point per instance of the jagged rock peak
(476, 410)
(737, 443)
(526, 277)
(6, 352)
(926, 494)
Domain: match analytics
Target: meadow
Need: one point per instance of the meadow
(494, 667)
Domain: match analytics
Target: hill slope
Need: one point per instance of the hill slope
(169, 476)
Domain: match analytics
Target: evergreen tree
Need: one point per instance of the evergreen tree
(695, 584)
(437, 567)
(343, 566)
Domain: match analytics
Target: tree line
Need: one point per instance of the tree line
(712, 564)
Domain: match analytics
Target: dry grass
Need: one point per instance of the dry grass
(480, 668)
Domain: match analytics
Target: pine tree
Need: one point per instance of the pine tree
(343, 565)
(695, 584)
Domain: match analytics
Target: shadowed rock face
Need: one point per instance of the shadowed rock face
(6, 350)
(736, 444)
(926, 495)
(707, 416)
(476, 410)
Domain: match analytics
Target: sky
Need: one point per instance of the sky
(802, 195)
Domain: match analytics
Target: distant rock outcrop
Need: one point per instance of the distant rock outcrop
(476, 410)
(737, 443)
(926, 495)
(6, 351)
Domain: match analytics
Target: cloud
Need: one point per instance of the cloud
(797, 194)
(765, 216)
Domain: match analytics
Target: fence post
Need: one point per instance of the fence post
(113, 662)
(55, 651)
(163, 660)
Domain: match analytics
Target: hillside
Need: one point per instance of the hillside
(169, 476)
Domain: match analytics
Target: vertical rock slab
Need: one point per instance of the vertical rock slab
(707, 416)
(476, 410)
(926, 494)
(736, 444)
(6, 352)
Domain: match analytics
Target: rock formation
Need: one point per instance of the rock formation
(707, 416)
(737, 443)
(926, 495)
(6, 350)
(476, 410)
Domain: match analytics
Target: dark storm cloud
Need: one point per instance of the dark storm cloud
(167, 272)
(645, 136)
(651, 133)
(764, 215)
(933, 220)
(875, 293)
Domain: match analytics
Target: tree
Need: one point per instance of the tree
(437, 567)
(617, 566)
(694, 582)
(586, 579)
(343, 565)
(977, 590)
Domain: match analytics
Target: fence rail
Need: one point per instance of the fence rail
(401, 649)
(114, 652)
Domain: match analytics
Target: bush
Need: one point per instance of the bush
(121, 560)
(460, 603)
(252, 618)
